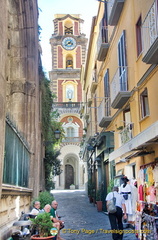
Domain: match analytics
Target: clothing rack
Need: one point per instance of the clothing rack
(148, 164)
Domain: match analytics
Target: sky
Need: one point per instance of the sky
(48, 8)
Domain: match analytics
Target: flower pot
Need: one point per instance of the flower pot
(99, 205)
(36, 237)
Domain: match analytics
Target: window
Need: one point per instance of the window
(70, 132)
(122, 63)
(16, 161)
(69, 62)
(68, 28)
(139, 36)
(107, 93)
(106, 84)
(144, 103)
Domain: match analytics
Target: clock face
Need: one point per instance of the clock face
(69, 43)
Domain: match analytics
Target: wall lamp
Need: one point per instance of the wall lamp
(57, 134)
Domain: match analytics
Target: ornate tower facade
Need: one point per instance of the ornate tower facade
(68, 46)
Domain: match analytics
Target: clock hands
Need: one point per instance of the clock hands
(69, 43)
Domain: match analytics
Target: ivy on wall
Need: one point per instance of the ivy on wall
(50, 123)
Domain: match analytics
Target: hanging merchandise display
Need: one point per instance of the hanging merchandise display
(146, 222)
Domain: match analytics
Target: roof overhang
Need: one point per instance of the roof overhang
(145, 138)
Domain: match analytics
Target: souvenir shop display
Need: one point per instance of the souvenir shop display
(147, 205)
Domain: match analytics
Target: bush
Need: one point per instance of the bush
(43, 223)
(44, 198)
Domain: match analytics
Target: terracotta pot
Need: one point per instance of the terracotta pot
(36, 237)
(99, 205)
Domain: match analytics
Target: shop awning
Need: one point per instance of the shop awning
(147, 137)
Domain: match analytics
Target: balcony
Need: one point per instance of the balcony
(102, 44)
(119, 88)
(115, 8)
(126, 134)
(150, 36)
(104, 113)
(67, 107)
(72, 140)
(94, 81)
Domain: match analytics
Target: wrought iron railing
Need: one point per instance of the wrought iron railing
(150, 28)
(126, 133)
(119, 82)
(104, 109)
(67, 107)
(72, 139)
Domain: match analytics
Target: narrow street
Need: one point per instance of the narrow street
(82, 220)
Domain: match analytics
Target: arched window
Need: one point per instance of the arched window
(69, 62)
(68, 28)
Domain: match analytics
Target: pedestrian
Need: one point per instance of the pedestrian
(55, 218)
(36, 208)
(46, 209)
(116, 218)
(126, 191)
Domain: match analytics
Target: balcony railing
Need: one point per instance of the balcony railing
(104, 112)
(114, 11)
(102, 44)
(126, 134)
(150, 35)
(72, 139)
(119, 87)
(67, 107)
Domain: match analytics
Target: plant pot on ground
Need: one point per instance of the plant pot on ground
(44, 225)
(99, 201)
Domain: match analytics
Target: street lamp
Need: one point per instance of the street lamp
(57, 134)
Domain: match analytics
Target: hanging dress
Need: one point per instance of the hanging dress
(127, 189)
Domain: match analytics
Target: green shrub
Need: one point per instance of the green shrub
(43, 223)
(44, 198)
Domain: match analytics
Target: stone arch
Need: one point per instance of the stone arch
(71, 166)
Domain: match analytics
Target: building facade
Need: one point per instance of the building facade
(20, 119)
(68, 46)
(123, 55)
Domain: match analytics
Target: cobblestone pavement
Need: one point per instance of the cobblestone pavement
(82, 220)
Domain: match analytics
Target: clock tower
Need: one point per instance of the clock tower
(68, 47)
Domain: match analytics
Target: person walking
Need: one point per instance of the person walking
(116, 218)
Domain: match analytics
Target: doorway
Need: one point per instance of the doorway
(69, 176)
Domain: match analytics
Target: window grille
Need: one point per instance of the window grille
(16, 160)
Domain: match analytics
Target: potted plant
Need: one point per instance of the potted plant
(99, 201)
(44, 225)
(72, 186)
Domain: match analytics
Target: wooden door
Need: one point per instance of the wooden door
(69, 176)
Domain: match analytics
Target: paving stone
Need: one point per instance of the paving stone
(82, 220)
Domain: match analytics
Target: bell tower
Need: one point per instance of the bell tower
(68, 47)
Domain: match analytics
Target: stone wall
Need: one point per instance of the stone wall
(20, 102)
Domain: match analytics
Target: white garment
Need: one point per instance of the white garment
(141, 176)
(128, 202)
(134, 198)
(119, 199)
(34, 211)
